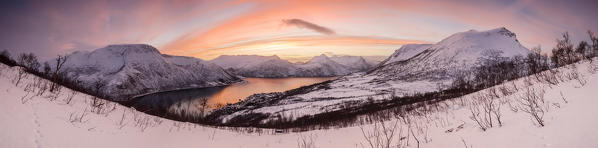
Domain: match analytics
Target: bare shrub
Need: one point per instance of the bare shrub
(122, 123)
(59, 63)
(551, 77)
(306, 141)
(143, 121)
(484, 106)
(464, 143)
(21, 73)
(41, 85)
(381, 135)
(99, 105)
(593, 67)
(70, 96)
(563, 97)
(414, 137)
(479, 118)
(75, 117)
(573, 74)
(55, 94)
(533, 103)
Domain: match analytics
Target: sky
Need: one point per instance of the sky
(293, 30)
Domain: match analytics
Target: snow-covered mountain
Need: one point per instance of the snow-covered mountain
(273, 66)
(355, 63)
(324, 66)
(411, 69)
(405, 52)
(457, 52)
(135, 69)
(256, 66)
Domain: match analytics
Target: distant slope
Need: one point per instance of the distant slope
(322, 65)
(256, 66)
(134, 69)
(355, 63)
(273, 66)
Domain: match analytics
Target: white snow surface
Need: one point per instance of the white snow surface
(134, 69)
(406, 51)
(41, 122)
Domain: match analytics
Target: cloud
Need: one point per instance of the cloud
(306, 46)
(311, 26)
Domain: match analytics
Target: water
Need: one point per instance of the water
(196, 102)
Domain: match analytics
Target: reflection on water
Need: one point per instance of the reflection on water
(194, 102)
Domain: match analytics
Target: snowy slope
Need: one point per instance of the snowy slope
(412, 69)
(242, 61)
(40, 122)
(323, 65)
(134, 69)
(457, 52)
(355, 63)
(406, 52)
(273, 66)
(256, 66)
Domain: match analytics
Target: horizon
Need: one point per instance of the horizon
(293, 30)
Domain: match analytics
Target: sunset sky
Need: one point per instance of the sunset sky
(293, 30)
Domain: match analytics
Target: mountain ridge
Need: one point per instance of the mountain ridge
(412, 69)
(128, 70)
(273, 66)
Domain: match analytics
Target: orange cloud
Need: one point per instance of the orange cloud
(280, 46)
(263, 23)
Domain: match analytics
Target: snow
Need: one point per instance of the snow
(273, 66)
(40, 122)
(431, 67)
(326, 66)
(354, 62)
(242, 61)
(470, 45)
(136, 69)
(406, 51)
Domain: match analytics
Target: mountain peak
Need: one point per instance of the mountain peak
(464, 47)
(319, 59)
(503, 31)
(131, 48)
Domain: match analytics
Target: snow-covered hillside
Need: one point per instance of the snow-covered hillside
(323, 65)
(28, 120)
(405, 52)
(411, 69)
(355, 63)
(273, 66)
(450, 56)
(135, 69)
(256, 66)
